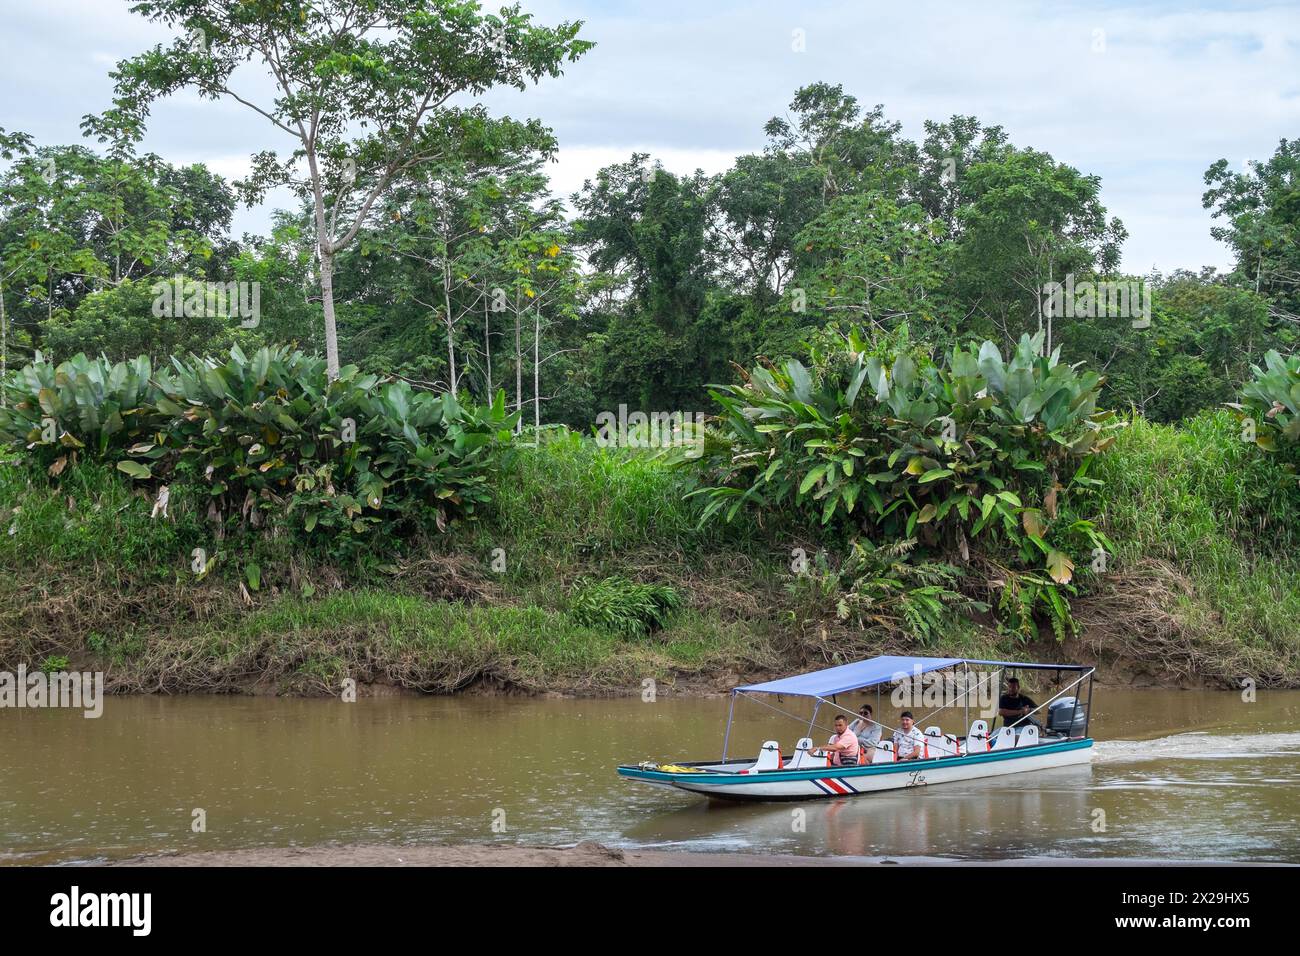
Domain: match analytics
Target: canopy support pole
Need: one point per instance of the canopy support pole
(813, 722)
(966, 694)
(726, 737)
(1087, 714)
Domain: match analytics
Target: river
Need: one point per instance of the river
(1177, 774)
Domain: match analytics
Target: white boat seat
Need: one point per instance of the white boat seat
(1004, 739)
(769, 758)
(884, 752)
(939, 744)
(803, 756)
(1028, 737)
(977, 739)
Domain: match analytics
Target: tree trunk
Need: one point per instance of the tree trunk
(327, 300)
(451, 325)
(519, 367)
(325, 245)
(487, 345)
(537, 369)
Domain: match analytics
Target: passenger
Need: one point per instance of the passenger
(909, 743)
(868, 733)
(1015, 708)
(843, 747)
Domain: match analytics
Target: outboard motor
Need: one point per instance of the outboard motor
(1067, 717)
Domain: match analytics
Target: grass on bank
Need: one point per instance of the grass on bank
(1209, 525)
(1206, 584)
(89, 574)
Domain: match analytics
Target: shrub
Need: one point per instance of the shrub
(1272, 400)
(945, 452)
(268, 433)
(82, 406)
(974, 447)
(878, 587)
(624, 606)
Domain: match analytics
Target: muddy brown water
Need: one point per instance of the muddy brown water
(1177, 774)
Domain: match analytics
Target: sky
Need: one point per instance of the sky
(1144, 95)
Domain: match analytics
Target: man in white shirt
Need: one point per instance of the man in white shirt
(909, 744)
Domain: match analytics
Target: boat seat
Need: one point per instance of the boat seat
(884, 752)
(933, 742)
(1004, 739)
(769, 758)
(1028, 737)
(977, 740)
(803, 756)
(939, 744)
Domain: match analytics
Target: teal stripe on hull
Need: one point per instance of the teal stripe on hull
(902, 766)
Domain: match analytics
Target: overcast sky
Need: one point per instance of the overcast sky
(1145, 95)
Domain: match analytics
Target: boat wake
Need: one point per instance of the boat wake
(1197, 746)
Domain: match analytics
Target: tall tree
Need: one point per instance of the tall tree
(1029, 221)
(1260, 209)
(362, 87)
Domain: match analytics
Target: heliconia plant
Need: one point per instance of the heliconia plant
(1271, 399)
(83, 406)
(267, 433)
(976, 446)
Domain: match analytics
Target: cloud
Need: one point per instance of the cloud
(1145, 94)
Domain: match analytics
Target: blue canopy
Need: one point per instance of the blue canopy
(845, 677)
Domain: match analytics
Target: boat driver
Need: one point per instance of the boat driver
(1015, 708)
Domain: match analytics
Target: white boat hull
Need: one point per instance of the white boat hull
(724, 783)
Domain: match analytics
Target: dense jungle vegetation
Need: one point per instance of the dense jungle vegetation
(367, 444)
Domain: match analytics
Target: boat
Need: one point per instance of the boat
(1060, 740)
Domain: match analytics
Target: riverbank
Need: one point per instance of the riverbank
(541, 595)
(584, 855)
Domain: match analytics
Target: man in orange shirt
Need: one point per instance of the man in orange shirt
(843, 747)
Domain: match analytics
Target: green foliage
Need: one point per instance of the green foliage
(879, 587)
(92, 519)
(625, 607)
(377, 88)
(119, 322)
(569, 498)
(76, 225)
(268, 434)
(1022, 595)
(95, 406)
(947, 452)
(1204, 334)
(1221, 513)
(1259, 212)
(54, 664)
(1273, 397)
(1027, 220)
(867, 261)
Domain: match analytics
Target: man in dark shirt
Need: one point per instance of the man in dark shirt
(1014, 706)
